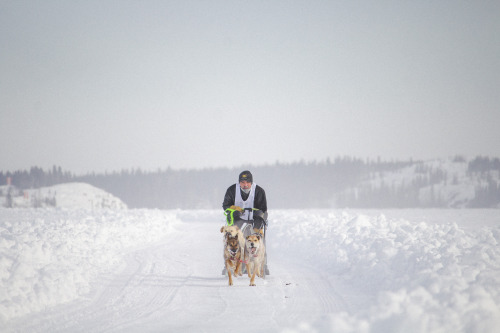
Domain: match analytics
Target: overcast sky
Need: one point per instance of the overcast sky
(109, 85)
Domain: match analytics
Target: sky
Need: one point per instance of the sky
(111, 85)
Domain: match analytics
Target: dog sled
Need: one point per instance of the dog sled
(247, 230)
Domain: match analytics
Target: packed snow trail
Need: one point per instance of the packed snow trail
(176, 286)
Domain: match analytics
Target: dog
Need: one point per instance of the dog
(233, 231)
(232, 252)
(255, 254)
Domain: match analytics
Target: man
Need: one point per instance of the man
(246, 202)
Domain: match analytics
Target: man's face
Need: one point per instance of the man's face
(245, 185)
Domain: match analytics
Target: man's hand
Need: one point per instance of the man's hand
(238, 208)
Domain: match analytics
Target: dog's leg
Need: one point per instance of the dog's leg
(247, 261)
(237, 271)
(228, 268)
(252, 279)
(260, 272)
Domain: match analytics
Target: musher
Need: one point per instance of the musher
(246, 203)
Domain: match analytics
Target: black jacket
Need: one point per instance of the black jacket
(260, 201)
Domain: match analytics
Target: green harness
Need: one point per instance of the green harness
(230, 217)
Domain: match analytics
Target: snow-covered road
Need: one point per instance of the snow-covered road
(160, 271)
(176, 286)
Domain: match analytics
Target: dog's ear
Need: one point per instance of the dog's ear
(222, 229)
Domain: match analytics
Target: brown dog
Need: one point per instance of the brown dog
(255, 253)
(232, 254)
(233, 231)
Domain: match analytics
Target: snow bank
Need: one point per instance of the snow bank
(51, 256)
(416, 277)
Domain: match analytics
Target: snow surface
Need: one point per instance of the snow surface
(84, 270)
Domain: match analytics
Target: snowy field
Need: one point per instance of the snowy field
(78, 270)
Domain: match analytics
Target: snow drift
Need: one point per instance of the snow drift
(48, 257)
(416, 277)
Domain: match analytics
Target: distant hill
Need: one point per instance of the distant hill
(67, 196)
(450, 183)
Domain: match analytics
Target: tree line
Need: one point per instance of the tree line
(338, 183)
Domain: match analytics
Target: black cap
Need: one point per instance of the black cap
(246, 175)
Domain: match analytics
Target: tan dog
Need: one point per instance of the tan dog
(232, 254)
(255, 254)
